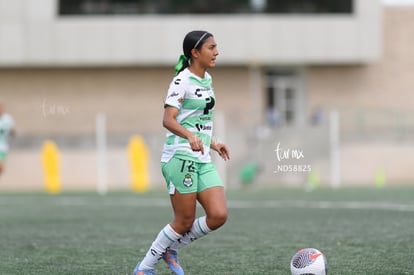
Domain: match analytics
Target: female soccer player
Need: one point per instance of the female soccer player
(186, 164)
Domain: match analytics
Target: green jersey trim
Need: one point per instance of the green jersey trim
(206, 139)
(193, 104)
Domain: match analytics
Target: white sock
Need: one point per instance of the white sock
(165, 238)
(198, 230)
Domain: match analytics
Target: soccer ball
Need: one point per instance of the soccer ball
(309, 261)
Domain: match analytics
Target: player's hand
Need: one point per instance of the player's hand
(222, 150)
(196, 144)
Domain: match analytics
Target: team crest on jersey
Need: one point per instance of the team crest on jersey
(188, 181)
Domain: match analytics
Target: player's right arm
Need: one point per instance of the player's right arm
(172, 105)
(170, 123)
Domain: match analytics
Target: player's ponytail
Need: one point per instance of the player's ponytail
(193, 40)
(182, 63)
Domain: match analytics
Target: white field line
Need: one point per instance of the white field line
(232, 204)
(359, 205)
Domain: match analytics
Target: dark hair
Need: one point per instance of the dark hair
(193, 40)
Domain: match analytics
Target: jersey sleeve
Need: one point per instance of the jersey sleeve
(176, 93)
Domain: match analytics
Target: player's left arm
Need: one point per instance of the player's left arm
(221, 149)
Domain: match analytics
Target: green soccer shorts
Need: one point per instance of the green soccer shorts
(187, 176)
(3, 156)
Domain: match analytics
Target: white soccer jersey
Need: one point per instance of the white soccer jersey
(194, 99)
(6, 125)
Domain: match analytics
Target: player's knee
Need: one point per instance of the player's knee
(222, 217)
(183, 225)
(187, 224)
(217, 219)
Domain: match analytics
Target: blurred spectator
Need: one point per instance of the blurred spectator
(273, 117)
(317, 116)
(258, 5)
(248, 173)
(6, 130)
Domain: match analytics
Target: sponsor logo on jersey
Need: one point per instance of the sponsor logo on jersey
(201, 127)
(173, 94)
(199, 90)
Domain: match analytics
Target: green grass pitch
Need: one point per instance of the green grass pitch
(360, 230)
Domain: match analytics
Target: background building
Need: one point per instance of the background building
(286, 76)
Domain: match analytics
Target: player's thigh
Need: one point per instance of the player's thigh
(211, 191)
(184, 205)
(181, 178)
(213, 200)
